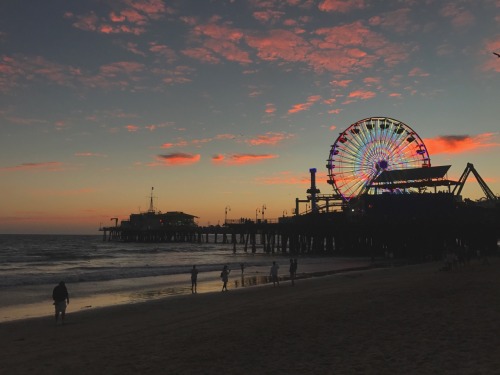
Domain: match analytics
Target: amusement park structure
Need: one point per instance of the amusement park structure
(387, 198)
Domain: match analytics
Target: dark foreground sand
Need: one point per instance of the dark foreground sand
(404, 320)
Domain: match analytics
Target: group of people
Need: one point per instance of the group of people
(224, 275)
(60, 293)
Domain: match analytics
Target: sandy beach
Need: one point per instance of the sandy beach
(402, 320)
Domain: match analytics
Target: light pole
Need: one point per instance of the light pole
(263, 209)
(256, 212)
(225, 213)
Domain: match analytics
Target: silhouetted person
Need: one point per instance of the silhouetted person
(224, 275)
(274, 274)
(194, 279)
(291, 270)
(60, 296)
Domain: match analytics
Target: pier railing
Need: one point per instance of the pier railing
(250, 221)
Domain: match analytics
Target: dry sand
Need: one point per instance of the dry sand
(404, 320)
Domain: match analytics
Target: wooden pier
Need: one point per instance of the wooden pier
(416, 235)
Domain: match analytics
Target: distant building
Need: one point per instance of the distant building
(157, 220)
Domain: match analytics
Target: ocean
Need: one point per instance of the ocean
(100, 273)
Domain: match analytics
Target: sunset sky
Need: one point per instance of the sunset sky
(226, 103)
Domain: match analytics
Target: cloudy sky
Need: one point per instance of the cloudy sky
(223, 106)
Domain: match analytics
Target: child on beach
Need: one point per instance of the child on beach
(224, 275)
(60, 296)
(274, 274)
(194, 279)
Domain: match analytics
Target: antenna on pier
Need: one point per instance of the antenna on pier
(151, 207)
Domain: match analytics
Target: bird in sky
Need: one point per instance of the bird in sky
(496, 54)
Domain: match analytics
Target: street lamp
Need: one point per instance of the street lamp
(263, 209)
(256, 212)
(225, 213)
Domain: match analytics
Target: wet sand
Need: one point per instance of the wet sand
(402, 320)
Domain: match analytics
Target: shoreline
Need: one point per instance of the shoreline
(26, 302)
(411, 319)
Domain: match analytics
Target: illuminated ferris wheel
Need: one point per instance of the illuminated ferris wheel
(369, 147)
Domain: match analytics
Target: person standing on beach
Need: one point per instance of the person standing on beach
(194, 279)
(60, 296)
(291, 270)
(224, 275)
(274, 274)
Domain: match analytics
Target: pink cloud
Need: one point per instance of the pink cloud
(132, 128)
(279, 44)
(417, 72)
(217, 39)
(48, 166)
(178, 75)
(270, 108)
(164, 51)
(344, 83)
(362, 94)
(270, 138)
(229, 50)
(218, 158)
(459, 144)
(342, 6)
(19, 70)
(239, 159)
(176, 144)
(178, 159)
(492, 62)
(458, 16)
(304, 106)
(268, 16)
(334, 111)
(398, 21)
(372, 80)
(127, 17)
(203, 54)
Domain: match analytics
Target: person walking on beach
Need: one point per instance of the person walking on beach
(274, 274)
(60, 296)
(224, 275)
(194, 279)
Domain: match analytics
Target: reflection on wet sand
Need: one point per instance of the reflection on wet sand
(246, 281)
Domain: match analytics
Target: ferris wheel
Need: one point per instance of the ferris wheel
(369, 147)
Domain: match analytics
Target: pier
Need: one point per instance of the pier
(411, 212)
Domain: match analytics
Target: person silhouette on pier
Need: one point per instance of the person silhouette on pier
(60, 296)
(274, 274)
(194, 279)
(224, 275)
